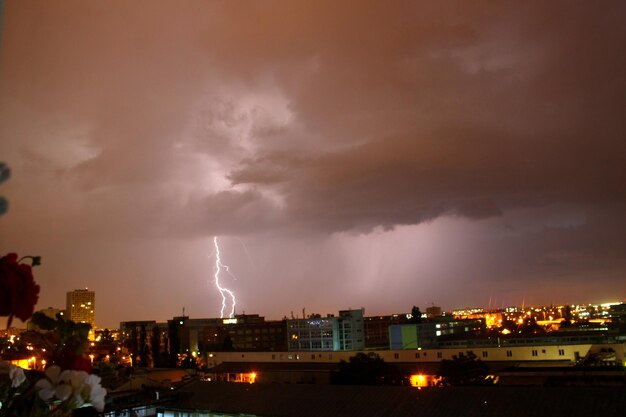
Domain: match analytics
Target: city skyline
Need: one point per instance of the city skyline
(305, 313)
(382, 156)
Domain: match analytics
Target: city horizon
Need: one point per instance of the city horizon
(297, 314)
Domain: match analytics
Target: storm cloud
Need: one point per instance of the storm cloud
(325, 142)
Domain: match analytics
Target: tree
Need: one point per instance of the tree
(155, 345)
(416, 315)
(106, 336)
(227, 345)
(463, 370)
(142, 348)
(567, 317)
(361, 369)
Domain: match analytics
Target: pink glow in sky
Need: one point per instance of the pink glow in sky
(378, 155)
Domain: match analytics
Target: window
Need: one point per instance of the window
(313, 357)
(534, 352)
(561, 352)
(396, 356)
(509, 353)
(485, 354)
(417, 355)
(439, 355)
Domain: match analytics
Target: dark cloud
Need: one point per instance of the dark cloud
(457, 172)
(335, 137)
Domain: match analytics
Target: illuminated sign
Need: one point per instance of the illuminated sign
(230, 321)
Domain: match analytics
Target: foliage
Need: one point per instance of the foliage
(66, 384)
(361, 369)
(66, 342)
(463, 370)
(227, 345)
(416, 315)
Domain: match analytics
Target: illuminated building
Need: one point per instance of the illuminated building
(246, 332)
(330, 333)
(314, 367)
(253, 332)
(422, 335)
(144, 340)
(81, 308)
(377, 329)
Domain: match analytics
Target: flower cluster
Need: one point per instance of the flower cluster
(16, 374)
(18, 291)
(12, 384)
(63, 388)
(73, 389)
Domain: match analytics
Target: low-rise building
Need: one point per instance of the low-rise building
(342, 333)
(377, 329)
(428, 334)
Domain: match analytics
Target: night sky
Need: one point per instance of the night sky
(346, 153)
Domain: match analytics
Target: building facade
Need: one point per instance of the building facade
(81, 308)
(377, 329)
(430, 334)
(244, 332)
(342, 333)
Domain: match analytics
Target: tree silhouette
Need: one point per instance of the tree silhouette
(155, 345)
(227, 345)
(416, 315)
(463, 370)
(361, 369)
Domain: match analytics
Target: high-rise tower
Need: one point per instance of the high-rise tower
(81, 307)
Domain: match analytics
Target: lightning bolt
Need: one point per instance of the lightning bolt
(224, 292)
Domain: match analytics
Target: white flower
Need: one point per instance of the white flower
(54, 386)
(75, 388)
(96, 392)
(16, 374)
(79, 394)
